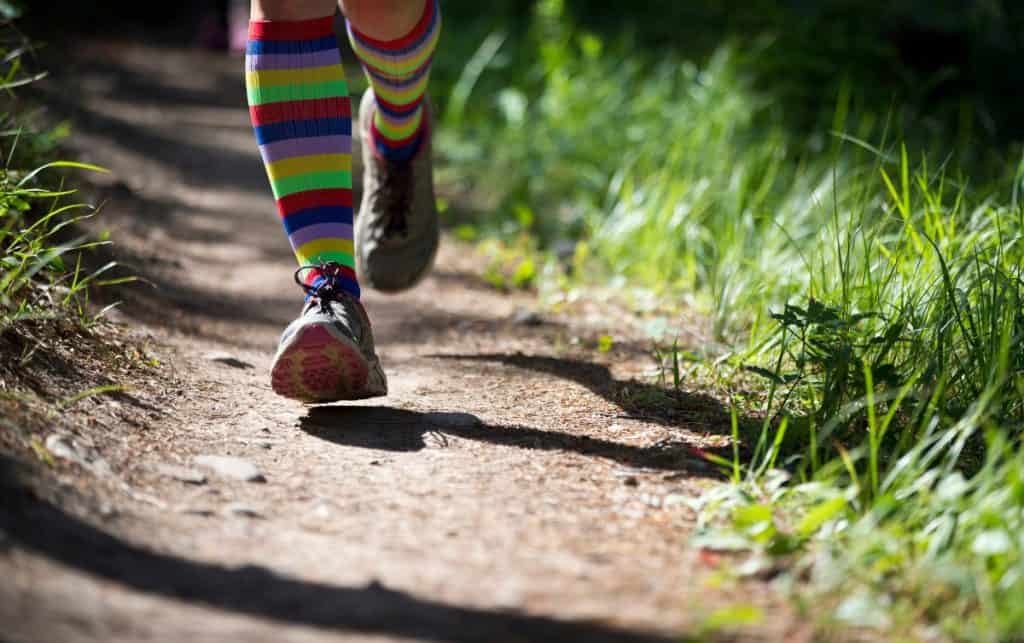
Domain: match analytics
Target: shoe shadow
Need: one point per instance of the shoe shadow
(376, 427)
(637, 400)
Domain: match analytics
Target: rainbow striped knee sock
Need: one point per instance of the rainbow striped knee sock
(300, 110)
(398, 71)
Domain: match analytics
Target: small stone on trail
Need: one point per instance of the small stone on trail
(230, 467)
(66, 448)
(205, 512)
(524, 317)
(182, 474)
(238, 509)
(227, 359)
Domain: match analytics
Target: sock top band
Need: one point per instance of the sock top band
(429, 9)
(291, 29)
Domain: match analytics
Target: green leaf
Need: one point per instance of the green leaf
(751, 516)
(733, 616)
(524, 274)
(765, 373)
(818, 516)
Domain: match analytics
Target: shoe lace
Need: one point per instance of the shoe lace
(393, 197)
(324, 290)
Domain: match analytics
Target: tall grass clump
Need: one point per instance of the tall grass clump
(866, 265)
(902, 393)
(41, 271)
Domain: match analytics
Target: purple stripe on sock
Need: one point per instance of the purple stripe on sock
(293, 147)
(320, 231)
(399, 121)
(292, 61)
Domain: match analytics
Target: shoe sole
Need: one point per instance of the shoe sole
(320, 366)
(366, 277)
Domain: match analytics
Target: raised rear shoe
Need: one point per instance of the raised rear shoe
(396, 229)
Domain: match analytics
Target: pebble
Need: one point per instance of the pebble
(230, 467)
(65, 447)
(524, 317)
(182, 474)
(227, 359)
(205, 512)
(238, 509)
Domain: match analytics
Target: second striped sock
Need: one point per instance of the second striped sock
(398, 71)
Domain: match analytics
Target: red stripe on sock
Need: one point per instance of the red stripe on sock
(313, 199)
(401, 109)
(377, 136)
(344, 271)
(291, 29)
(301, 110)
(406, 40)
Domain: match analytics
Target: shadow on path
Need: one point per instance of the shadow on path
(378, 427)
(638, 400)
(46, 530)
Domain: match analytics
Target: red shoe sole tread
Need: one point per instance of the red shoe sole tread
(319, 366)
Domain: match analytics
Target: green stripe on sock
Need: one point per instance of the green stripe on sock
(312, 181)
(284, 93)
(343, 258)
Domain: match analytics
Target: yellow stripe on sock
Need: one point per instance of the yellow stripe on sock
(304, 164)
(307, 251)
(403, 97)
(397, 133)
(399, 67)
(277, 77)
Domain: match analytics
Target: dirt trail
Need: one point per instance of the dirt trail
(500, 493)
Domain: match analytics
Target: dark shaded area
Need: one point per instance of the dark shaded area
(44, 529)
(376, 427)
(36, 354)
(639, 400)
(956, 62)
(949, 67)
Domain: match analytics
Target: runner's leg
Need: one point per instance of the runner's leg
(300, 109)
(395, 41)
(299, 104)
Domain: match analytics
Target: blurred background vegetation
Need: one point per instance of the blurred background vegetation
(834, 186)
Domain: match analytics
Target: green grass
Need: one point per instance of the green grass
(866, 267)
(41, 271)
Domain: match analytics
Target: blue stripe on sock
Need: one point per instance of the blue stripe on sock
(408, 110)
(403, 153)
(345, 283)
(303, 129)
(290, 46)
(414, 78)
(314, 216)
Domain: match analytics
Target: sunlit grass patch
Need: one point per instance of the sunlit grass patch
(870, 282)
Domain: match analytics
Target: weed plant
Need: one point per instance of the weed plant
(41, 271)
